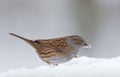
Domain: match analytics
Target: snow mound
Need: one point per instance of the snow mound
(79, 67)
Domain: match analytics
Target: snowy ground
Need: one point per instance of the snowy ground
(80, 67)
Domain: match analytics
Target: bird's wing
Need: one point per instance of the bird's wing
(52, 42)
(59, 45)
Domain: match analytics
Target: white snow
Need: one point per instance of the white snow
(79, 67)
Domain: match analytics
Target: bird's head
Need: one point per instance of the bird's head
(79, 41)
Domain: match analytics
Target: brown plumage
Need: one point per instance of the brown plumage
(56, 50)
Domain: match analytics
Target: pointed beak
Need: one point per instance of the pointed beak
(87, 45)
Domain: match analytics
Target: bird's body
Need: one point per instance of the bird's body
(56, 50)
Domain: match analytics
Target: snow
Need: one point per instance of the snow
(78, 67)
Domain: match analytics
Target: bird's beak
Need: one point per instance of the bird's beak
(87, 46)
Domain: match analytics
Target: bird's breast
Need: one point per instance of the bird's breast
(58, 60)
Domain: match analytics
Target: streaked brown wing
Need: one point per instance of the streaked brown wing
(53, 42)
(49, 52)
(58, 46)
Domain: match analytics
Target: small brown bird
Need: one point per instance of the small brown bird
(57, 50)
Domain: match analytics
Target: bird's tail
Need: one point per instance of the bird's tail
(25, 39)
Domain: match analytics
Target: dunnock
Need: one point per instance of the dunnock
(57, 50)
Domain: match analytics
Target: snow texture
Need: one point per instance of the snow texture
(80, 67)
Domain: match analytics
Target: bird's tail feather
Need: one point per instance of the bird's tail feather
(25, 39)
